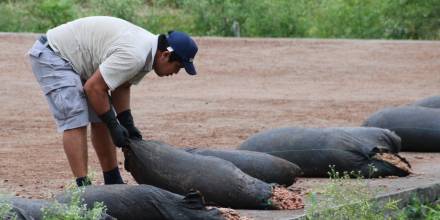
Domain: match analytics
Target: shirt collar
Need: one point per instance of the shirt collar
(149, 65)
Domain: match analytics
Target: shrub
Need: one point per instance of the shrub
(391, 19)
(15, 17)
(412, 19)
(345, 19)
(418, 210)
(160, 19)
(214, 17)
(75, 210)
(51, 13)
(345, 198)
(269, 19)
(125, 9)
(5, 211)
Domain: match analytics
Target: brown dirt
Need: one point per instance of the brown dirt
(244, 86)
(284, 199)
(231, 214)
(394, 160)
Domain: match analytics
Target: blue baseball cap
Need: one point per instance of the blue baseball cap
(185, 47)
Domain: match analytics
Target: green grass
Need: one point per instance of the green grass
(419, 210)
(346, 198)
(365, 19)
(6, 210)
(76, 209)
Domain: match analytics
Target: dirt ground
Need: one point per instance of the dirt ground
(244, 86)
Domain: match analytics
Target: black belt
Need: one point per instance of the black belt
(43, 40)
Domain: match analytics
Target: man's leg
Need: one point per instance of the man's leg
(106, 151)
(75, 147)
(63, 89)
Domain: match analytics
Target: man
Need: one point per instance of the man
(85, 69)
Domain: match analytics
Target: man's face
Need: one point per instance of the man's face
(164, 68)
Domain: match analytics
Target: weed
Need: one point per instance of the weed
(390, 19)
(419, 210)
(347, 198)
(76, 209)
(6, 210)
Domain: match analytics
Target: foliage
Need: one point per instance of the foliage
(53, 12)
(15, 17)
(345, 19)
(125, 9)
(214, 17)
(76, 209)
(396, 19)
(418, 210)
(346, 198)
(158, 19)
(412, 19)
(388, 19)
(5, 211)
(274, 20)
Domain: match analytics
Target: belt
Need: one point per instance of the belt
(43, 40)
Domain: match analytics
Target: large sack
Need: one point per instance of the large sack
(430, 102)
(26, 209)
(262, 166)
(347, 149)
(146, 202)
(219, 181)
(384, 139)
(418, 127)
(31, 209)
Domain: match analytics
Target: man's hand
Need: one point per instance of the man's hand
(126, 119)
(118, 133)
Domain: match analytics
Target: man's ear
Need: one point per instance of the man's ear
(165, 54)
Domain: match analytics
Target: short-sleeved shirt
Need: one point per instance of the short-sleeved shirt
(122, 51)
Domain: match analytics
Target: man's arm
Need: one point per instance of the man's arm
(96, 90)
(121, 97)
(97, 93)
(121, 102)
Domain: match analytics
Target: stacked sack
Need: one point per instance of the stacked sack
(418, 124)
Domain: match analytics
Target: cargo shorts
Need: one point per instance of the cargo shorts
(62, 87)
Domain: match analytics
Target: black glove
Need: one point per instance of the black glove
(126, 119)
(117, 131)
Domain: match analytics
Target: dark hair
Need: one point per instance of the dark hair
(162, 45)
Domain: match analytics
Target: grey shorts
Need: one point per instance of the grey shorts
(62, 87)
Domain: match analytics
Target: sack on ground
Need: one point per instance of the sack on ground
(219, 181)
(418, 127)
(26, 209)
(262, 166)
(128, 202)
(146, 202)
(429, 102)
(32, 209)
(368, 152)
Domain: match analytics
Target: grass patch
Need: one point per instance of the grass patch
(76, 209)
(6, 210)
(365, 19)
(345, 197)
(419, 210)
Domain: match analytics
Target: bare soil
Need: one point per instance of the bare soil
(244, 86)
